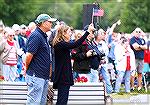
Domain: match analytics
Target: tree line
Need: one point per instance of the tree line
(133, 13)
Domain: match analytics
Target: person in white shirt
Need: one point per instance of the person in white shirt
(125, 64)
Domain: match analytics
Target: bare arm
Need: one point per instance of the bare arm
(29, 57)
(50, 70)
(136, 46)
(114, 25)
(143, 47)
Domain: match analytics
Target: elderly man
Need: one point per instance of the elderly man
(38, 62)
(138, 45)
(103, 69)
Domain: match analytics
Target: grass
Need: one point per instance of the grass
(132, 98)
(123, 94)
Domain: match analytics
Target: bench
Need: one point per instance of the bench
(85, 94)
(13, 93)
(80, 94)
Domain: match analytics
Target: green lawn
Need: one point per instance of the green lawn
(122, 94)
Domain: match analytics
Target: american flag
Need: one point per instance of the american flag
(98, 12)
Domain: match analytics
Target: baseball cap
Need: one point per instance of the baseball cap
(23, 26)
(44, 17)
(137, 29)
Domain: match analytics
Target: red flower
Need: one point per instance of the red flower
(1, 77)
(81, 79)
(78, 79)
(85, 79)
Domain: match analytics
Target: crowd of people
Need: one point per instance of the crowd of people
(13, 51)
(37, 53)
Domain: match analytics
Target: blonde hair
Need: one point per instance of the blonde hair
(60, 34)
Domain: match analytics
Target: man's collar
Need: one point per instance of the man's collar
(43, 33)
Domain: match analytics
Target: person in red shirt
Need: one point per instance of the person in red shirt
(147, 58)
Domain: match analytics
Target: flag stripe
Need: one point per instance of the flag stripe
(98, 12)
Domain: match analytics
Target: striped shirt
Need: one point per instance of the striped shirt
(12, 53)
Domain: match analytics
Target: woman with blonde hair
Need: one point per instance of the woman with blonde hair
(63, 77)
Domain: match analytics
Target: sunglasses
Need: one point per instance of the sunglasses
(11, 35)
(138, 32)
(50, 21)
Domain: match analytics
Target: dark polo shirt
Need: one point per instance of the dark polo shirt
(38, 46)
(140, 53)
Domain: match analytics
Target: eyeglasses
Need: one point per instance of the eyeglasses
(11, 35)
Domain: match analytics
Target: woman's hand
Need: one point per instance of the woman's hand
(91, 28)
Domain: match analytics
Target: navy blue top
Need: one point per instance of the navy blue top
(63, 69)
(38, 46)
(139, 54)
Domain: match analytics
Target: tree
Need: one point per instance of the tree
(25, 11)
(133, 13)
(136, 14)
(14, 11)
(112, 10)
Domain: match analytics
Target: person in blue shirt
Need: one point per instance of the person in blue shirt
(138, 45)
(38, 62)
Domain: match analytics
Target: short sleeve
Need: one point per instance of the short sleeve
(33, 43)
(131, 41)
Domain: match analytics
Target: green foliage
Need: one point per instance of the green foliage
(12, 11)
(25, 11)
(111, 13)
(133, 13)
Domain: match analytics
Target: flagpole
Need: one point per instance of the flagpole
(97, 24)
(100, 20)
(92, 15)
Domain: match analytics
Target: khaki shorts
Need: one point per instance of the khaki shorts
(139, 65)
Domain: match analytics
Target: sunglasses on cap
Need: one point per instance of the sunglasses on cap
(49, 21)
(138, 31)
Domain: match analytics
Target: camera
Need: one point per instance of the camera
(96, 59)
(99, 54)
(93, 32)
(94, 53)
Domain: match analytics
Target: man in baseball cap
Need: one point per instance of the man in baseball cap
(38, 61)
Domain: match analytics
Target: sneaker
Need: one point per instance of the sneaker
(113, 92)
(139, 88)
(132, 89)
